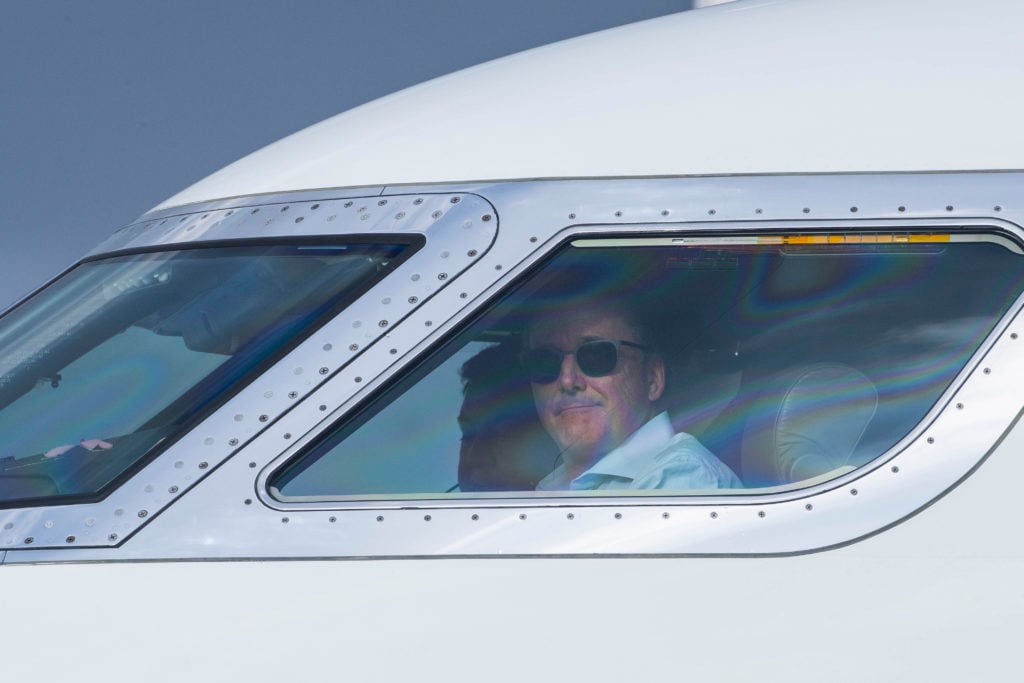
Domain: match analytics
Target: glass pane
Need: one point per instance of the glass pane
(118, 354)
(666, 368)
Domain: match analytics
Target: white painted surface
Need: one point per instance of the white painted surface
(936, 598)
(756, 86)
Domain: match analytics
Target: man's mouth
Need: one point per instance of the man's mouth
(564, 406)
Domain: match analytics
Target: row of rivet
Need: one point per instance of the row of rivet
(711, 212)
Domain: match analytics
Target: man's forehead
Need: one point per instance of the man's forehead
(579, 325)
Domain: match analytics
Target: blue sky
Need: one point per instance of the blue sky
(109, 107)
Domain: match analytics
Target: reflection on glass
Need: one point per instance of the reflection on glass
(115, 356)
(660, 369)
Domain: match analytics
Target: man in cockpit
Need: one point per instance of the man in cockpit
(596, 379)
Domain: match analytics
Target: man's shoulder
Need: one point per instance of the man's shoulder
(684, 463)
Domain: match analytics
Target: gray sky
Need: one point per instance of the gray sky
(108, 107)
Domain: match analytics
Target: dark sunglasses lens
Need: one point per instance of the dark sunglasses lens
(542, 365)
(597, 358)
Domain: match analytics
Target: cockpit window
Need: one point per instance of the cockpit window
(119, 354)
(686, 366)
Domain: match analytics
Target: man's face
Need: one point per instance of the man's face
(589, 416)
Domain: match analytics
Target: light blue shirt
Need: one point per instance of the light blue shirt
(652, 457)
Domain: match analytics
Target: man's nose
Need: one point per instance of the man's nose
(570, 377)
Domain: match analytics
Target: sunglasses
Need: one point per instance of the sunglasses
(595, 358)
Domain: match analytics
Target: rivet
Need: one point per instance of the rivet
(760, 513)
(930, 440)
(203, 465)
(436, 214)
(143, 514)
(808, 507)
(1013, 335)
(288, 435)
(853, 209)
(239, 418)
(853, 492)
(264, 418)
(959, 406)
(895, 469)
(418, 201)
(148, 488)
(400, 215)
(572, 216)
(353, 347)
(284, 208)
(48, 524)
(382, 202)
(987, 371)
(314, 207)
(486, 217)
(300, 219)
(284, 520)
(413, 299)
(8, 526)
(233, 442)
(268, 394)
(618, 213)
(328, 347)
(463, 295)
(474, 517)
(949, 207)
(415, 277)
(454, 200)
(380, 518)
(807, 209)
(664, 212)
(665, 515)
(118, 512)
(533, 239)
(28, 541)
(359, 379)
(112, 537)
(254, 211)
(618, 515)
(497, 267)
(172, 489)
(252, 465)
(332, 519)
(293, 394)
(570, 516)
(471, 253)
(393, 351)
(442, 276)
(322, 407)
(386, 300)
(429, 323)
(758, 211)
(714, 515)
(348, 205)
(997, 208)
(426, 518)
(522, 515)
(901, 209)
(323, 371)
(711, 212)
(69, 539)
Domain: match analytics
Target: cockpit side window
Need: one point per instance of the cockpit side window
(118, 355)
(619, 367)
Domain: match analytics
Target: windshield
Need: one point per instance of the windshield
(122, 352)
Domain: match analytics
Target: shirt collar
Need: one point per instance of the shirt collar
(628, 460)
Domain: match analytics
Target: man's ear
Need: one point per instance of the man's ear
(655, 377)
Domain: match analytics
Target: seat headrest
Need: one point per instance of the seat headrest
(809, 422)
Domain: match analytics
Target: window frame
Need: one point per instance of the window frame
(980, 230)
